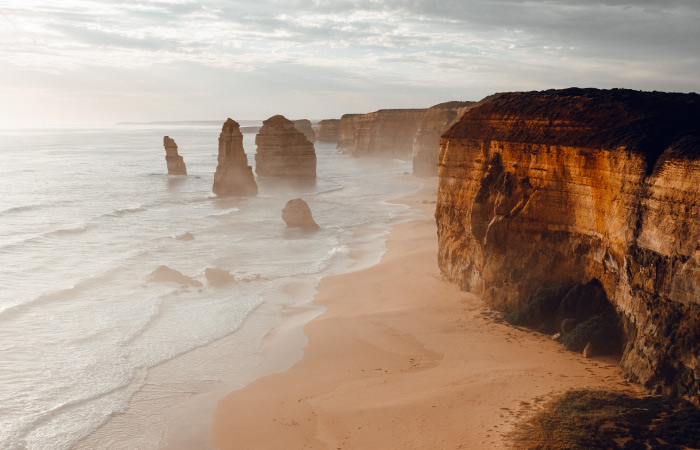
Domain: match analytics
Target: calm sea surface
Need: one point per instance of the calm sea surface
(86, 214)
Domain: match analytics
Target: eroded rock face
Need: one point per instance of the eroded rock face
(426, 142)
(384, 133)
(297, 214)
(540, 188)
(176, 165)
(233, 177)
(304, 125)
(284, 151)
(327, 130)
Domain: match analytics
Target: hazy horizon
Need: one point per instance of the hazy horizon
(90, 61)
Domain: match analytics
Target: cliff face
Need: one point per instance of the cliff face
(233, 177)
(426, 142)
(387, 133)
(327, 130)
(175, 163)
(284, 151)
(541, 188)
(304, 125)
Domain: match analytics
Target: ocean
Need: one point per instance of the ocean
(88, 213)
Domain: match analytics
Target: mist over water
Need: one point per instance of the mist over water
(88, 214)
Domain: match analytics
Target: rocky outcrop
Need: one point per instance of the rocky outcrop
(233, 177)
(384, 133)
(297, 214)
(284, 151)
(426, 142)
(327, 130)
(304, 125)
(176, 165)
(586, 186)
(218, 277)
(164, 274)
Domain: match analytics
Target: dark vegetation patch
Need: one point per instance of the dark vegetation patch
(580, 313)
(589, 419)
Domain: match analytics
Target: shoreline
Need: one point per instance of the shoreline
(401, 358)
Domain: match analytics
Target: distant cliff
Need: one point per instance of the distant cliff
(327, 130)
(426, 142)
(387, 132)
(583, 186)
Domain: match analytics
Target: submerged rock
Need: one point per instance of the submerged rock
(185, 237)
(218, 277)
(297, 214)
(176, 165)
(165, 274)
(284, 151)
(233, 177)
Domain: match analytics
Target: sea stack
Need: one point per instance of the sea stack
(233, 177)
(565, 201)
(297, 214)
(176, 165)
(304, 125)
(426, 143)
(327, 130)
(386, 133)
(283, 150)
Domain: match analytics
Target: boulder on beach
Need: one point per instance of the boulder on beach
(176, 165)
(297, 214)
(218, 277)
(164, 274)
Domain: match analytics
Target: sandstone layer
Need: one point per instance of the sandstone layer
(385, 133)
(176, 165)
(297, 214)
(542, 188)
(233, 177)
(284, 151)
(304, 125)
(327, 130)
(426, 142)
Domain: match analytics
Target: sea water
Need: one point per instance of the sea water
(86, 214)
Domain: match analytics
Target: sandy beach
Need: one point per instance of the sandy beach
(404, 359)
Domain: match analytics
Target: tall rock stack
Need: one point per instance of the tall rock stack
(283, 150)
(346, 132)
(327, 130)
(233, 177)
(426, 143)
(304, 125)
(176, 165)
(597, 187)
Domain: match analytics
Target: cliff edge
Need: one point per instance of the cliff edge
(596, 187)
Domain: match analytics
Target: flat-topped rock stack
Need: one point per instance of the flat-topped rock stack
(283, 150)
(304, 125)
(327, 130)
(233, 177)
(426, 143)
(176, 165)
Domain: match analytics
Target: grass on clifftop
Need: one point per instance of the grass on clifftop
(589, 420)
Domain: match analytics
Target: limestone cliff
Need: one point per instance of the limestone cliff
(540, 188)
(233, 177)
(304, 125)
(386, 133)
(426, 142)
(175, 163)
(327, 130)
(284, 151)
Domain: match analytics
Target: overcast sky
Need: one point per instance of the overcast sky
(127, 60)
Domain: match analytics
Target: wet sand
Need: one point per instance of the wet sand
(403, 359)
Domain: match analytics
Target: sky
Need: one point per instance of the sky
(91, 61)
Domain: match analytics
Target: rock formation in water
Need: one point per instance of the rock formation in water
(327, 130)
(233, 177)
(185, 237)
(538, 190)
(426, 142)
(284, 151)
(297, 214)
(304, 125)
(218, 277)
(176, 165)
(164, 274)
(385, 133)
